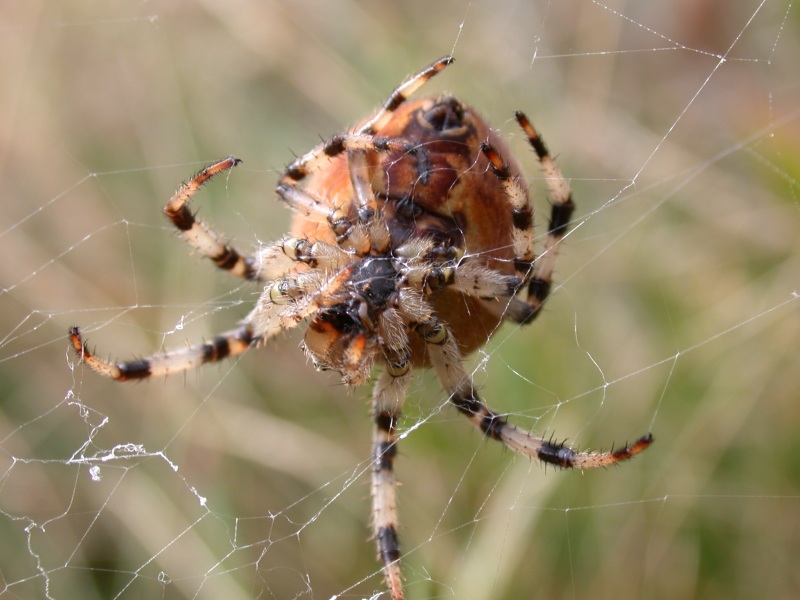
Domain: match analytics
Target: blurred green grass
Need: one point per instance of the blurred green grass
(676, 312)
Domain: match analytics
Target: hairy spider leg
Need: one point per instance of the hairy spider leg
(199, 235)
(226, 345)
(387, 402)
(535, 272)
(402, 93)
(458, 384)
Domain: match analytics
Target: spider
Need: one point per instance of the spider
(412, 242)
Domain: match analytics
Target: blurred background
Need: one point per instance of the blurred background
(678, 123)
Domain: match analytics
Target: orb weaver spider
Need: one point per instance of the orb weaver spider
(412, 242)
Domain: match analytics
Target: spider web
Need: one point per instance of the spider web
(676, 309)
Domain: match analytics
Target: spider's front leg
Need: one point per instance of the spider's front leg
(199, 235)
(226, 345)
(283, 304)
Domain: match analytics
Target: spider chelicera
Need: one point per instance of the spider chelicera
(412, 241)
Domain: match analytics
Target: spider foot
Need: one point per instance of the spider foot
(563, 456)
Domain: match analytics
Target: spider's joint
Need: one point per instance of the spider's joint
(299, 249)
(514, 283)
(285, 291)
(439, 278)
(522, 217)
(562, 212)
(389, 545)
(535, 140)
(385, 453)
(340, 223)
(499, 167)
(398, 367)
(556, 453)
(366, 214)
(433, 332)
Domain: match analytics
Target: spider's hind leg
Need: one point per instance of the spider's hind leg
(446, 361)
(387, 403)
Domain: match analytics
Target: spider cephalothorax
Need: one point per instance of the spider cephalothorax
(412, 242)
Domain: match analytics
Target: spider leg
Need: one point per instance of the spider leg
(402, 93)
(313, 208)
(229, 344)
(369, 232)
(446, 361)
(350, 143)
(431, 267)
(561, 212)
(359, 176)
(539, 278)
(299, 294)
(387, 403)
(284, 254)
(362, 141)
(199, 235)
(521, 212)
